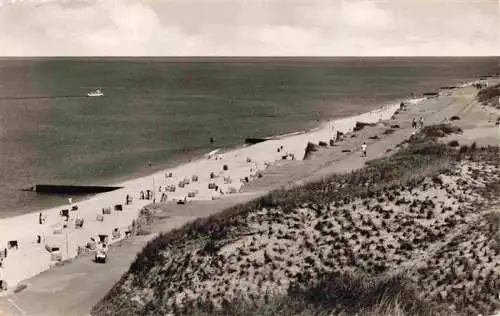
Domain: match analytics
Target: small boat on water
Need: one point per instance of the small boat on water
(95, 93)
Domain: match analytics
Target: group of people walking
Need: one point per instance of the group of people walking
(420, 121)
(414, 124)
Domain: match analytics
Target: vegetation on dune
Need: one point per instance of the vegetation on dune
(360, 125)
(489, 95)
(438, 130)
(336, 294)
(493, 219)
(454, 143)
(340, 294)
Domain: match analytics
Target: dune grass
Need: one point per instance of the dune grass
(334, 294)
(488, 95)
(346, 294)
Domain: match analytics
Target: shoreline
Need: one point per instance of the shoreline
(184, 159)
(176, 163)
(261, 156)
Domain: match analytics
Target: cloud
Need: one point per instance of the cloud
(110, 27)
(365, 14)
(248, 27)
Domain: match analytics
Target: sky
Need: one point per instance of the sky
(249, 28)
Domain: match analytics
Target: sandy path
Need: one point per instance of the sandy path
(74, 288)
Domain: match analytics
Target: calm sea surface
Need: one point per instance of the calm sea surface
(166, 109)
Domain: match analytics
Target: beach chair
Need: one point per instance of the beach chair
(103, 238)
(116, 233)
(118, 207)
(106, 210)
(194, 178)
(100, 218)
(56, 256)
(171, 188)
(128, 200)
(101, 255)
(57, 229)
(65, 213)
(181, 184)
(74, 208)
(79, 223)
(191, 194)
(92, 244)
(212, 185)
(13, 244)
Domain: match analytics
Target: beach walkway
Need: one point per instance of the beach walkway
(75, 287)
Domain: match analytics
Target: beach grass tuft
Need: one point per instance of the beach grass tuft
(488, 95)
(335, 293)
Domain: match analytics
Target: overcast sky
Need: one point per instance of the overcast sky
(249, 27)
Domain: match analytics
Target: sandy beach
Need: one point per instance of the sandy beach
(220, 176)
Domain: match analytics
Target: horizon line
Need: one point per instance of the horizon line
(250, 56)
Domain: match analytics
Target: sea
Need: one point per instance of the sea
(165, 110)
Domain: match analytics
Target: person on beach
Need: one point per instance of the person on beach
(2, 282)
(339, 135)
(40, 219)
(363, 149)
(421, 121)
(211, 140)
(149, 163)
(414, 123)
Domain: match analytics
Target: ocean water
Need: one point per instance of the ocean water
(165, 110)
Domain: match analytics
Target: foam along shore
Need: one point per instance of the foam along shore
(218, 174)
(27, 241)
